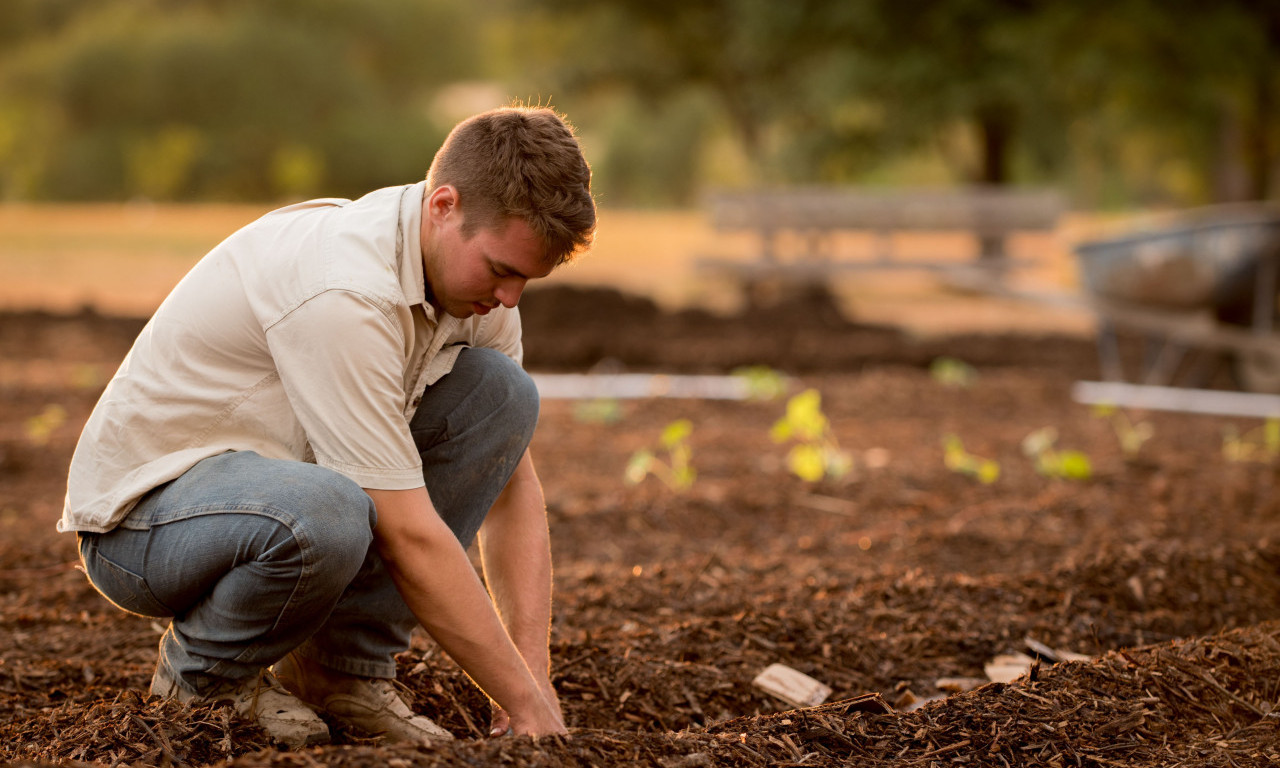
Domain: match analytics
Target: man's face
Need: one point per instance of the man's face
(471, 276)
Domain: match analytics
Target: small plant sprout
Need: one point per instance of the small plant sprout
(815, 454)
(676, 472)
(957, 459)
(1130, 434)
(950, 372)
(1260, 444)
(598, 410)
(40, 428)
(762, 382)
(1051, 462)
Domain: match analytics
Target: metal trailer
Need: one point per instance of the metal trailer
(1199, 289)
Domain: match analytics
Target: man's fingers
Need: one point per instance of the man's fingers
(500, 723)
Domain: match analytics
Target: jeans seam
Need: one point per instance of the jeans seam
(187, 513)
(305, 574)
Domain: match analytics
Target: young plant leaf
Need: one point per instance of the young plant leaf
(1040, 441)
(950, 372)
(817, 454)
(638, 466)
(676, 432)
(806, 461)
(676, 472)
(1074, 465)
(762, 382)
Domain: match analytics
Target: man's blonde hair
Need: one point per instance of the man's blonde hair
(522, 162)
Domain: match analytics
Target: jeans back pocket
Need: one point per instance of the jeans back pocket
(125, 589)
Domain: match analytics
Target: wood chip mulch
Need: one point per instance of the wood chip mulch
(1202, 702)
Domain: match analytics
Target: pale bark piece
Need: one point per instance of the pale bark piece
(792, 686)
(959, 684)
(1008, 667)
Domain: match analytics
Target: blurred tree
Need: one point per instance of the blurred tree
(1129, 100)
(987, 65)
(823, 90)
(1123, 101)
(653, 153)
(1209, 75)
(1170, 101)
(22, 20)
(224, 98)
(755, 58)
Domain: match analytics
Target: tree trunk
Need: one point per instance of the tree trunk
(1258, 147)
(747, 124)
(995, 133)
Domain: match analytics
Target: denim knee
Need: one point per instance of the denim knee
(333, 518)
(471, 429)
(507, 386)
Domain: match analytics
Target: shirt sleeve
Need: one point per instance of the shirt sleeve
(341, 360)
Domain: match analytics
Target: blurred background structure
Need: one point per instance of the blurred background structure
(1117, 106)
(1120, 103)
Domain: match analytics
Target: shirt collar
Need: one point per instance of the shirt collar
(412, 280)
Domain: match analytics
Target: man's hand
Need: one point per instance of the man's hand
(500, 721)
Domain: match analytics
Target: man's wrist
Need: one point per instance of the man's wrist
(529, 698)
(536, 654)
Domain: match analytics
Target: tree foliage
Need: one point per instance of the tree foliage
(223, 98)
(1121, 101)
(1198, 83)
(1118, 102)
(767, 69)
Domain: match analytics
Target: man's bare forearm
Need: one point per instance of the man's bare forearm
(515, 549)
(440, 586)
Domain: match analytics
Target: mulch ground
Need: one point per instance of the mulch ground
(1161, 570)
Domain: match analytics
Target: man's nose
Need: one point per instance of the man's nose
(508, 292)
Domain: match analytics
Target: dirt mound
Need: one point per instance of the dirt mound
(570, 328)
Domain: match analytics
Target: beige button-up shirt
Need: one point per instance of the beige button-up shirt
(307, 335)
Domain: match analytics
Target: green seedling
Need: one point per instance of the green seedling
(762, 382)
(599, 410)
(1260, 444)
(1130, 434)
(1051, 462)
(40, 428)
(816, 453)
(957, 459)
(676, 472)
(950, 372)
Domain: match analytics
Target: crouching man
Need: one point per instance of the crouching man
(294, 456)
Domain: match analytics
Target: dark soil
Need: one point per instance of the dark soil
(1163, 567)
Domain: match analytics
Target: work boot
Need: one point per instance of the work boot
(260, 698)
(367, 704)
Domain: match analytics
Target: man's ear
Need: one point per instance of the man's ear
(442, 202)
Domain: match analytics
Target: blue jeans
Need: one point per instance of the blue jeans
(254, 557)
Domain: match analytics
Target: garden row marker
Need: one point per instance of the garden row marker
(1150, 397)
(570, 386)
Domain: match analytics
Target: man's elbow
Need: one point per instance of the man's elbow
(407, 524)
